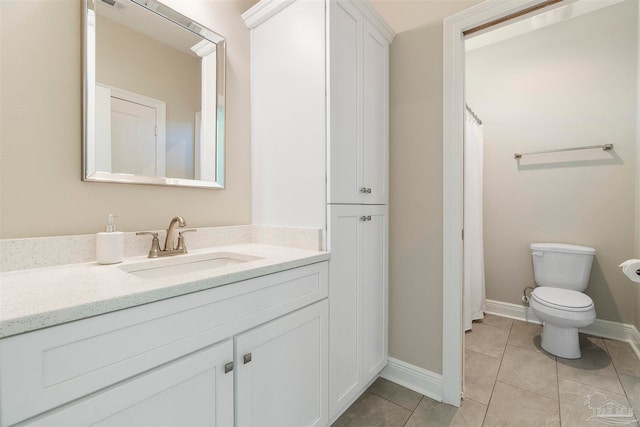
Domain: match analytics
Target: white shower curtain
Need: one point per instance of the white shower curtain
(473, 278)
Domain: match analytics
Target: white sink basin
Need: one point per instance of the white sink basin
(182, 264)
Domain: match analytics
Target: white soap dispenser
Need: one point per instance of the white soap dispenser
(110, 244)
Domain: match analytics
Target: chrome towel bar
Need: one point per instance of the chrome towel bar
(603, 147)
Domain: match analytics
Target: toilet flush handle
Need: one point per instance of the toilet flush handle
(537, 254)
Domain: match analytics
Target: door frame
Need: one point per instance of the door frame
(452, 145)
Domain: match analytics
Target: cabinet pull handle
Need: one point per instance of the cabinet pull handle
(246, 358)
(368, 191)
(368, 217)
(228, 367)
(364, 190)
(363, 218)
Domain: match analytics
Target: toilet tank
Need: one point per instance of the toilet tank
(562, 266)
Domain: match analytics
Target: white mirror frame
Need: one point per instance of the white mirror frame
(216, 101)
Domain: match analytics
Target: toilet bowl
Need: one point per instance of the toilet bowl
(562, 312)
(562, 272)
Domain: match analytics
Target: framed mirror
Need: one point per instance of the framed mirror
(154, 96)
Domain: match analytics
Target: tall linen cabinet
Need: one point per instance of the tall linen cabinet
(319, 125)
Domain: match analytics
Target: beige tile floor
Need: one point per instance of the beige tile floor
(511, 381)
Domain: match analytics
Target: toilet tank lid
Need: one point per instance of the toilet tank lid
(562, 247)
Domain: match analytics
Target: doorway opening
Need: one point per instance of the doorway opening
(455, 59)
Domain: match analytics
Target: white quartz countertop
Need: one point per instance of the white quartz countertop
(39, 298)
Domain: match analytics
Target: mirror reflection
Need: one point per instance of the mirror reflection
(154, 98)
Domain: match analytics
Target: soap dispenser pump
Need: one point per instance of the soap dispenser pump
(110, 244)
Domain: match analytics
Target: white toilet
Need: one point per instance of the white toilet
(562, 272)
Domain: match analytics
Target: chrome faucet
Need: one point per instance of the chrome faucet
(169, 247)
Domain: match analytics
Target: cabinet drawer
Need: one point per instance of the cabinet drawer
(44, 369)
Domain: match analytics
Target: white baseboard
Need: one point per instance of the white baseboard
(599, 328)
(512, 311)
(635, 342)
(413, 377)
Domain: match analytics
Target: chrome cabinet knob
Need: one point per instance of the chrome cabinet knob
(363, 190)
(368, 191)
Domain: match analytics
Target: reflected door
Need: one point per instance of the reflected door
(133, 138)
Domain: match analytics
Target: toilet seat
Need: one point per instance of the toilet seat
(562, 299)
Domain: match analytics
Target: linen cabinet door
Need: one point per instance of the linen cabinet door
(282, 371)
(345, 109)
(374, 291)
(376, 116)
(345, 286)
(194, 390)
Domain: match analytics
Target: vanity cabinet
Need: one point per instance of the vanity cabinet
(169, 362)
(358, 289)
(358, 108)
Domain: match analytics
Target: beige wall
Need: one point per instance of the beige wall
(41, 193)
(415, 152)
(565, 85)
(134, 62)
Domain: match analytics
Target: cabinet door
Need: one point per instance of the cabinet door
(193, 390)
(359, 105)
(345, 104)
(345, 287)
(375, 76)
(374, 291)
(358, 295)
(282, 371)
